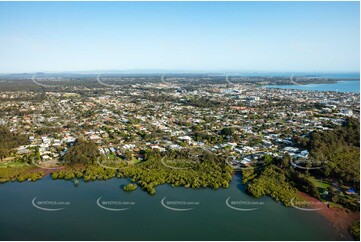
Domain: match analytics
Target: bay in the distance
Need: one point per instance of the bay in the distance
(340, 86)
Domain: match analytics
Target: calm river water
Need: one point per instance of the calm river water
(101, 210)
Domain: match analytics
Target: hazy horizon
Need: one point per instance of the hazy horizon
(348, 74)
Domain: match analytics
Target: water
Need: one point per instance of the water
(147, 219)
(354, 75)
(341, 86)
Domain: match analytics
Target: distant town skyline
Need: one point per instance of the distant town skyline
(180, 36)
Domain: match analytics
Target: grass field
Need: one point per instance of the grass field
(324, 185)
(12, 164)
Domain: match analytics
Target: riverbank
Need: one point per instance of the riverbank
(49, 171)
(341, 218)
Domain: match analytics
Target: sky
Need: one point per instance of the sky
(184, 36)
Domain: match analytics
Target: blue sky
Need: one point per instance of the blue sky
(203, 36)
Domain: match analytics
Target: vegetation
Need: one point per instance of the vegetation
(336, 152)
(339, 149)
(227, 131)
(83, 152)
(303, 183)
(202, 102)
(89, 172)
(271, 181)
(207, 171)
(10, 140)
(130, 187)
(13, 163)
(20, 174)
(354, 230)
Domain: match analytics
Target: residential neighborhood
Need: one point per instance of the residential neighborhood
(244, 121)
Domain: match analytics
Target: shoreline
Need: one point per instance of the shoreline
(315, 82)
(340, 218)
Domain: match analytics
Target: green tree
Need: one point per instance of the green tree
(83, 152)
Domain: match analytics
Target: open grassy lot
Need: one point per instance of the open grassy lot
(12, 164)
(324, 185)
